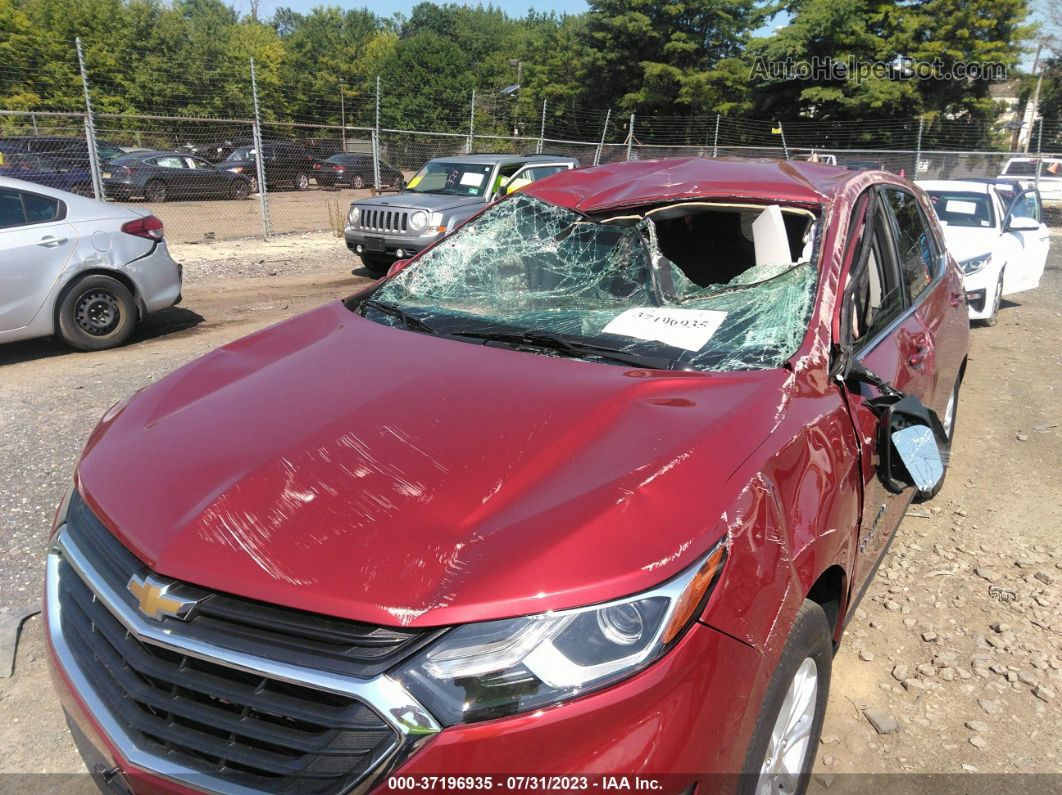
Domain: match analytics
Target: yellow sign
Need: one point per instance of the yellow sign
(776, 130)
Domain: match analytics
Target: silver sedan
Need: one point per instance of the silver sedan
(84, 270)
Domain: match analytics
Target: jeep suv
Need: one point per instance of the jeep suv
(443, 194)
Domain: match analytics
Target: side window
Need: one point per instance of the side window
(196, 163)
(915, 252)
(1027, 205)
(877, 292)
(11, 211)
(169, 161)
(41, 209)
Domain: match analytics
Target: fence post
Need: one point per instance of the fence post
(918, 147)
(630, 138)
(542, 130)
(376, 141)
(259, 166)
(90, 127)
(604, 132)
(471, 124)
(342, 118)
(781, 132)
(1039, 151)
(715, 141)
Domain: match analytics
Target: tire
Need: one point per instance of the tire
(240, 189)
(254, 184)
(96, 313)
(83, 189)
(809, 649)
(949, 422)
(358, 183)
(155, 191)
(997, 299)
(301, 181)
(376, 264)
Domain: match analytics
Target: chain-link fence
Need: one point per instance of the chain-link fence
(257, 175)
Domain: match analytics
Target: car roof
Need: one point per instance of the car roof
(637, 182)
(152, 153)
(493, 159)
(969, 186)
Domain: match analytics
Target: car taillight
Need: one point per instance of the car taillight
(316, 166)
(149, 227)
(340, 168)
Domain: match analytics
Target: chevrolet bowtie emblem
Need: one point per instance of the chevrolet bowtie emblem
(155, 601)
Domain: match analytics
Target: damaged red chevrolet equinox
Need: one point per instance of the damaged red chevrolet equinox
(591, 486)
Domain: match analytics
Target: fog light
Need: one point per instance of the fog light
(358, 248)
(400, 253)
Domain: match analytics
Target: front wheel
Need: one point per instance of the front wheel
(97, 313)
(155, 191)
(782, 751)
(997, 299)
(358, 183)
(302, 182)
(240, 189)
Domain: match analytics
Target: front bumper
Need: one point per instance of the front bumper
(683, 718)
(385, 245)
(980, 289)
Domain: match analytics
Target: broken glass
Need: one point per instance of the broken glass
(526, 265)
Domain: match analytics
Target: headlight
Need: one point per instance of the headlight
(354, 215)
(494, 668)
(418, 221)
(975, 264)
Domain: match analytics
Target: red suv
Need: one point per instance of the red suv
(591, 486)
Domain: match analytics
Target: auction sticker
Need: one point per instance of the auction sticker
(681, 328)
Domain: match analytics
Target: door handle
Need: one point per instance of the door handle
(51, 241)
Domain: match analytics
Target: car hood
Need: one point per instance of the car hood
(337, 465)
(965, 242)
(422, 201)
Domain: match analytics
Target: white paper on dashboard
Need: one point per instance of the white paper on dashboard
(960, 206)
(472, 179)
(689, 329)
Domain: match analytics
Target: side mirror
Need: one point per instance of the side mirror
(1021, 223)
(396, 266)
(911, 441)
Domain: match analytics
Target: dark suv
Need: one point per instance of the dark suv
(285, 163)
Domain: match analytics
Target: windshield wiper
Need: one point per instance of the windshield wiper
(540, 339)
(408, 320)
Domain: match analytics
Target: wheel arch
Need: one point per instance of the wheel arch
(118, 276)
(828, 592)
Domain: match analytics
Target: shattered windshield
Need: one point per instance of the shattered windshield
(530, 273)
(452, 179)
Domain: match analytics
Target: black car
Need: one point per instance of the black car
(158, 176)
(57, 147)
(355, 170)
(286, 164)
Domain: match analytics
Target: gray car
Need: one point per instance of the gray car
(82, 269)
(444, 193)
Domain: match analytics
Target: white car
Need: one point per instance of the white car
(996, 232)
(82, 269)
(1023, 170)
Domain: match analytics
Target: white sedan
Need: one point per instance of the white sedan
(82, 269)
(996, 232)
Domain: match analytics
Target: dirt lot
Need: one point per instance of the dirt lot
(958, 641)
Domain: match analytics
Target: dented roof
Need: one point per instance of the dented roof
(633, 183)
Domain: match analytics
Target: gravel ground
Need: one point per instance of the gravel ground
(955, 653)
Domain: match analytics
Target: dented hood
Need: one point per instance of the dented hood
(336, 465)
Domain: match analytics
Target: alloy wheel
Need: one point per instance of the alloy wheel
(787, 748)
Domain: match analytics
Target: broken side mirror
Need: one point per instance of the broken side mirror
(396, 266)
(911, 443)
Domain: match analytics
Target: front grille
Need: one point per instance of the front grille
(236, 728)
(291, 636)
(379, 220)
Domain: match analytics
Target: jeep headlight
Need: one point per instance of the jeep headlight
(418, 221)
(975, 264)
(354, 215)
(495, 668)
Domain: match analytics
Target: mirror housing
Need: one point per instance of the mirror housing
(911, 443)
(1021, 223)
(396, 266)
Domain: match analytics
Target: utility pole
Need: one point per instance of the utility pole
(471, 124)
(259, 156)
(604, 132)
(630, 137)
(90, 127)
(1033, 109)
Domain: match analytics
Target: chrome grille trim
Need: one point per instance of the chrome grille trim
(381, 219)
(384, 695)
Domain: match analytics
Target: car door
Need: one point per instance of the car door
(35, 244)
(887, 337)
(173, 171)
(525, 175)
(1029, 247)
(205, 181)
